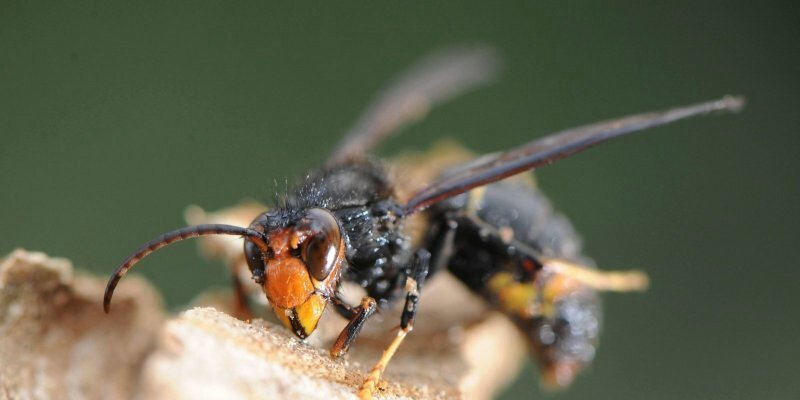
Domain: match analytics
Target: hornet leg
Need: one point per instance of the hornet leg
(241, 308)
(615, 281)
(357, 317)
(419, 273)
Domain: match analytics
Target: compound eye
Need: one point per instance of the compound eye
(255, 261)
(321, 250)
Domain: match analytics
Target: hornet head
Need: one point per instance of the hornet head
(299, 264)
(295, 256)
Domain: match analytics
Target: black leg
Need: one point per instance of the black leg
(417, 275)
(359, 315)
(347, 311)
(440, 243)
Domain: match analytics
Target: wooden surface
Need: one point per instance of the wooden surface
(56, 342)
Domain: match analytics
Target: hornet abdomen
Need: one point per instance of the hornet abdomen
(503, 234)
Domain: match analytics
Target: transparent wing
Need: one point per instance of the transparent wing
(556, 146)
(437, 78)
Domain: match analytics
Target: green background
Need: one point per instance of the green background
(114, 117)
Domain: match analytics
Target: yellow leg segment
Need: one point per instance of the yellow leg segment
(367, 389)
(616, 281)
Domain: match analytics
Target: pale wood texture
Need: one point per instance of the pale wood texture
(56, 342)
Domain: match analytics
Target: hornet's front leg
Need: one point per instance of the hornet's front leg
(241, 306)
(357, 316)
(414, 281)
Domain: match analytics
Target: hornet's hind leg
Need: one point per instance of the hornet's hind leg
(607, 281)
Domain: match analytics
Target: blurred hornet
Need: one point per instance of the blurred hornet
(350, 220)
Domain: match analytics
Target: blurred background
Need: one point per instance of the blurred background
(115, 117)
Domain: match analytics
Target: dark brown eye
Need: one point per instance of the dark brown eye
(321, 250)
(255, 260)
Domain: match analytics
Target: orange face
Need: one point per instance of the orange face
(302, 269)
